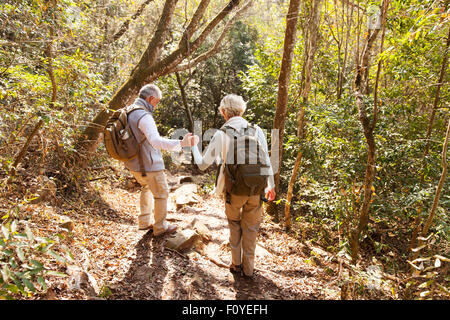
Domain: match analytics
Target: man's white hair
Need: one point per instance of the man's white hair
(150, 90)
(233, 105)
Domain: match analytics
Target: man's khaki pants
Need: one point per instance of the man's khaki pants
(244, 215)
(154, 194)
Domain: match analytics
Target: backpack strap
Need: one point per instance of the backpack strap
(255, 127)
(141, 160)
(234, 138)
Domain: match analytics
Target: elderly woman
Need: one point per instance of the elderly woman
(244, 213)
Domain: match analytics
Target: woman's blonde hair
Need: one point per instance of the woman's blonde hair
(233, 105)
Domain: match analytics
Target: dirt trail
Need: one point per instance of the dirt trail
(125, 263)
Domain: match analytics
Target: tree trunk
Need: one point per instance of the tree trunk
(24, 149)
(149, 68)
(313, 32)
(88, 141)
(368, 127)
(440, 184)
(49, 64)
(185, 103)
(430, 218)
(283, 90)
(344, 63)
(436, 101)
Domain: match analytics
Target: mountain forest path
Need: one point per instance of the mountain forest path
(126, 263)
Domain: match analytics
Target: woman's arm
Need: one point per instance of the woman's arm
(213, 152)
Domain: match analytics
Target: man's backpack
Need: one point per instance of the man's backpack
(119, 139)
(244, 163)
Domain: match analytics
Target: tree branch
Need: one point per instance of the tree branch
(153, 50)
(167, 65)
(217, 19)
(124, 27)
(216, 47)
(192, 27)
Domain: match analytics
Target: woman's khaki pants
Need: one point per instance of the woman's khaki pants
(244, 215)
(154, 194)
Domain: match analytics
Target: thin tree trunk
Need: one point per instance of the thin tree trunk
(305, 90)
(24, 148)
(440, 184)
(344, 64)
(49, 54)
(436, 100)
(339, 45)
(185, 103)
(283, 91)
(368, 127)
(430, 218)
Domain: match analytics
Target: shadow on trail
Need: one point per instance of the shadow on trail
(95, 206)
(260, 287)
(159, 274)
(148, 276)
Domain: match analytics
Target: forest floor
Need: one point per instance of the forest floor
(118, 261)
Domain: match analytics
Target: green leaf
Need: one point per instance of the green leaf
(35, 271)
(56, 273)
(41, 281)
(37, 263)
(12, 263)
(7, 252)
(12, 288)
(28, 284)
(56, 256)
(20, 254)
(4, 273)
(44, 247)
(29, 234)
(425, 284)
(17, 283)
(5, 232)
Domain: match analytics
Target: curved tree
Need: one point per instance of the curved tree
(151, 65)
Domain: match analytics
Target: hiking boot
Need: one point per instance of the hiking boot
(235, 269)
(170, 229)
(149, 227)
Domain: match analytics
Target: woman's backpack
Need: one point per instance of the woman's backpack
(245, 162)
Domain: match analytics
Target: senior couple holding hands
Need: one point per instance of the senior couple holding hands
(244, 212)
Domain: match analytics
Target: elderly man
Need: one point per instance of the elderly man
(244, 212)
(155, 190)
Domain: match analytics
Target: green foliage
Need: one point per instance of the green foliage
(328, 192)
(23, 259)
(207, 84)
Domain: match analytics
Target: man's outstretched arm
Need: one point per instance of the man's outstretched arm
(148, 126)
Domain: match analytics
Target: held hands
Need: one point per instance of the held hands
(270, 195)
(189, 140)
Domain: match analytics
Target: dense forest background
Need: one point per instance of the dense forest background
(62, 62)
